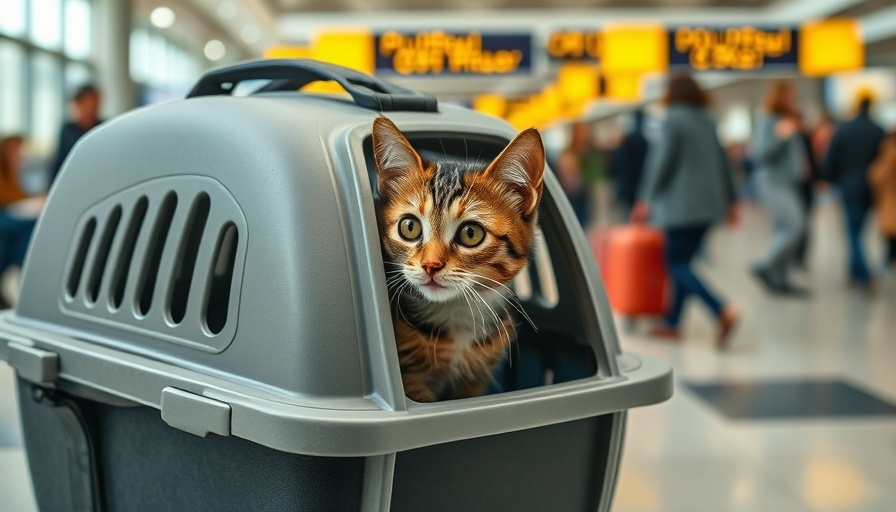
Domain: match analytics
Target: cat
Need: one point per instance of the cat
(454, 234)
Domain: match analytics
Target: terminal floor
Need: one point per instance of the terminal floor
(687, 455)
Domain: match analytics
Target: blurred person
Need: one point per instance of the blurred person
(882, 179)
(627, 164)
(15, 225)
(821, 136)
(742, 164)
(781, 161)
(593, 169)
(569, 174)
(687, 187)
(809, 176)
(853, 148)
(86, 109)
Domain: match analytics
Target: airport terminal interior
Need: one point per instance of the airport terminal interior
(744, 149)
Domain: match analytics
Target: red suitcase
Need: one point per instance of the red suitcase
(631, 263)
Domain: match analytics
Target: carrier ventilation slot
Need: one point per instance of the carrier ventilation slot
(538, 279)
(221, 279)
(123, 265)
(77, 268)
(159, 235)
(161, 259)
(522, 284)
(102, 255)
(547, 281)
(186, 260)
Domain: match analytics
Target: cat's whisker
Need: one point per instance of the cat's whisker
(511, 299)
(478, 308)
(476, 299)
(515, 303)
(472, 315)
(515, 334)
(394, 281)
(398, 301)
(509, 345)
(498, 323)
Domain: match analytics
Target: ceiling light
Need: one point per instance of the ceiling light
(162, 17)
(215, 50)
(227, 10)
(250, 34)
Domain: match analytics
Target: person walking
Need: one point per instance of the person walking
(882, 179)
(15, 226)
(627, 164)
(687, 187)
(809, 176)
(86, 107)
(853, 148)
(781, 161)
(569, 174)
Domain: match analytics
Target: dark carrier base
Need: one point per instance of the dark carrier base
(142, 464)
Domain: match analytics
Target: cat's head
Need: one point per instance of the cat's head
(449, 226)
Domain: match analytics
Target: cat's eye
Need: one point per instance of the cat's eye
(470, 234)
(409, 228)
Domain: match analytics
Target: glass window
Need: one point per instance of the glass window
(77, 28)
(46, 23)
(76, 75)
(157, 58)
(161, 65)
(12, 21)
(46, 108)
(11, 93)
(139, 55)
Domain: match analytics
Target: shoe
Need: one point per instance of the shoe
(665, 332)
(764, 277)
(789, 290)
(869, 287)
(728, 320)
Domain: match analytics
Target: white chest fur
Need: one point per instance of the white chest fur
(466, 320)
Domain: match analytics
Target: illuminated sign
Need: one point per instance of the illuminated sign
(575, 45)
(744, 48)
(434, 52)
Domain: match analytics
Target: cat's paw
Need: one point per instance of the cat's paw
(421, 395)
(472, 390)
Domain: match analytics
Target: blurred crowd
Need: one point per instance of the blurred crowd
(679, 178)
(19, 209)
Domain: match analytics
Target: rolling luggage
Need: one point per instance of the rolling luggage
(204, 322)
(632, 266)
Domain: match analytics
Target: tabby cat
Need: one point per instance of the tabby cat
(454, 234)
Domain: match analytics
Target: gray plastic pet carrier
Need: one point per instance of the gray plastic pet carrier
(204, 322)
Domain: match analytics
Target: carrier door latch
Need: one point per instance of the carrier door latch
(33, 364)
(195, 414)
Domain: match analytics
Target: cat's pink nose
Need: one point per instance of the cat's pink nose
(431, 267)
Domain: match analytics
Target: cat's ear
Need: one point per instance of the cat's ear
(521, 168)
(394, 156)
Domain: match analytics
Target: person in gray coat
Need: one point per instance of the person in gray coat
(781, 161)
(687, 187)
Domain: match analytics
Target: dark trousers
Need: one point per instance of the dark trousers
(15, 233)
(856, 214)
(681, 246)
(579, 202)
(807, 197)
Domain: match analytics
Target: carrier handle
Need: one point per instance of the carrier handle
(291, 74)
